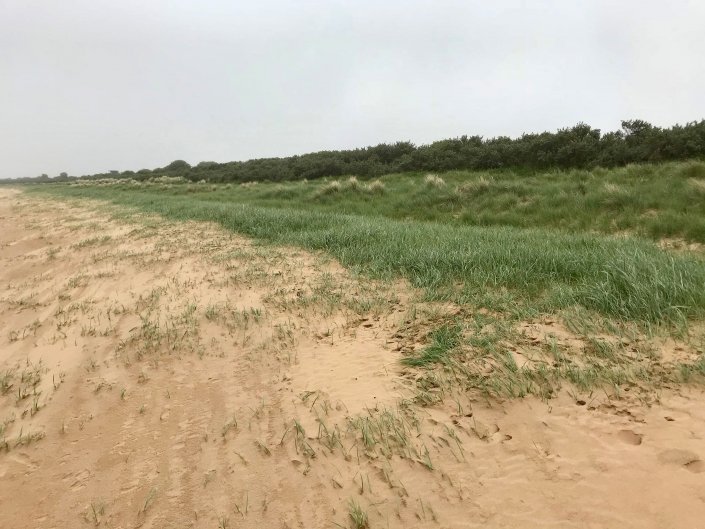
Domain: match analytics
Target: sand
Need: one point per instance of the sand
(160, 374)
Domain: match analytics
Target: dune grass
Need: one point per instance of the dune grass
(443, 340)
(649, 200)
(546, 269)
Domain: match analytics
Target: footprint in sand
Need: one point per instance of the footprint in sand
(697, 466)
(685, 458)
(630, 437)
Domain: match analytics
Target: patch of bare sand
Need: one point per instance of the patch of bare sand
(156, 374)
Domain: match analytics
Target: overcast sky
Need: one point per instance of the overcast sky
(93, 85)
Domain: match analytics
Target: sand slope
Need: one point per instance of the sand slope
(156, 374)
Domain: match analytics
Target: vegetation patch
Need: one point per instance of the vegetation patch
(546, 269)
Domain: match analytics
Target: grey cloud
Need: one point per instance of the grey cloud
(93, 85)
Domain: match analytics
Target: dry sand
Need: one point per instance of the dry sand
(158, 374)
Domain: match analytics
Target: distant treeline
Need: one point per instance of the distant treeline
(579, 147)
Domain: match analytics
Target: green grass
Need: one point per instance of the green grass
(557, 263)
(589, 269)
(443, 341)
(358, 516)
(648, 200)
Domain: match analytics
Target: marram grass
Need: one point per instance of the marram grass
(621, 277)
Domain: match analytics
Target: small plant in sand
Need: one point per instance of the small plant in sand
(243, 507)
(357, 515)
(52, 253)
(95, 512)
(6, 381)
(230, 425)
(25, 439)
(148, 501)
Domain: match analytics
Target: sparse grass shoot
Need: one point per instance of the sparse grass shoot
(357, 514)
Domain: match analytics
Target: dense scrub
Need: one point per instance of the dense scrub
(580, 147)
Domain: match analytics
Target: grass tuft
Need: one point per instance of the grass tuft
(433, 180)
(357, 515)
(443, 341)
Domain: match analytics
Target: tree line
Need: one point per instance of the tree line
(580, 147)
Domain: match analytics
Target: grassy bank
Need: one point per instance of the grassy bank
(649, 200)
(384, 230)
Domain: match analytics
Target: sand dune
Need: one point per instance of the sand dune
(160, 374)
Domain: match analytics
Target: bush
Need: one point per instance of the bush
(577, 147)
